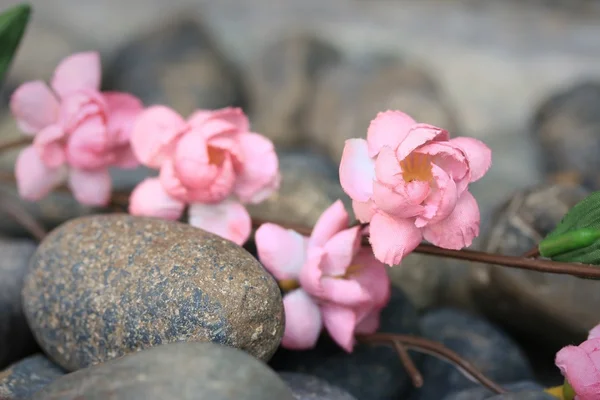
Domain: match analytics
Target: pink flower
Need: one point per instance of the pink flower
(343, 287)
(211, 162)
(581, 366)
(410, 181)
(78, 132)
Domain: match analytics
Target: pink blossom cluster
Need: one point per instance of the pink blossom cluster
(410, 181)
(580, 365)
(342, 286)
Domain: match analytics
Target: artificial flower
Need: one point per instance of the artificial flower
(211, 162)
(580, 366)
(410, 182)
(342, 286)
(78, 132)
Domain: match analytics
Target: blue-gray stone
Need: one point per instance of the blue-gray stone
(370, 372)
(177, 371)
(24, 378)
(306, 387)
(525, 395)
(481, 393)
(481, 343)
(103, 286)
(16, 340)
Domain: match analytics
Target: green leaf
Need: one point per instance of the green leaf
(12, 27)
(575, 238)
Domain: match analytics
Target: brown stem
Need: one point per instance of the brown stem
(532, 253)
(435, 349)
(22, 217)
(15, 143)
(409, 365)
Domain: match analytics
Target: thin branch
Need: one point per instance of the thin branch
(22, 217)
(409, 365)
(435, 349)
(15, 143)
(533, 252)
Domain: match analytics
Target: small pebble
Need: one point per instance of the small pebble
(24, 378)
(306, 387)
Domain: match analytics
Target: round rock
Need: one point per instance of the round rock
(100, 287)
(16, 340)
(306, 387)
(182, 371)
(551, 308)
(26, 377)
(523, 389)
(567, 127)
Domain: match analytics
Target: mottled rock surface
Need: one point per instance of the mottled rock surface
(282, 80)
(16, 340)
(370, 372)
(553, 308)
(524, 389)
(178, 64)
(567, 127)
(484, 345)
(104, 286)
(306, 387)
(24, 378)
(181, 371)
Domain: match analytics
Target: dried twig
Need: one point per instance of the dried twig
(409, 365)
(15, 143)
(437, 350)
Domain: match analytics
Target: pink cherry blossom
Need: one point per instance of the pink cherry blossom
(211, 162)
(410, 182)
(581, 366)
(78, 132)
(342, 286)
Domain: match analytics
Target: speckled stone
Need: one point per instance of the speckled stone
(179, 64)
(16, 340)
(178, 371)
(24, 378)
(370, 372)
(524, 388)
(102, 286)
(306, 387)
(481, 343)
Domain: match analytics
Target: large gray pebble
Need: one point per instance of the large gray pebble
(103, 286)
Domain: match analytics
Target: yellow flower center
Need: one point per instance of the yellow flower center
(416, 167)
(287, 285)
(216, 156)
(351, 270)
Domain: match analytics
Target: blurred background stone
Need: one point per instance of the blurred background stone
(282, 81)
(567, 127)
(179, 65)
(24, 378)
(350, 96)
(551, 308)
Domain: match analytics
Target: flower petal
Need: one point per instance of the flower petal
(125, 158)
(155, 134)
(345, 292)
(478, 155)
(228, 219)
(76, 72)
(392, 238)
(90, 187)
(357, 170)
(234, 116)
(88, 145)
(259, 176)
(364, 211)
(369, 323)
(458, 230)
(389, 128)
(149, 199)
(122, 110)
(449, 158)
(340, 322)
(441, 201)
(595, 332)
(399, 202)
(333, 220)
(373, 276)
(34, 107)
(418, 135)
(311, 272)
(281, 251)
(34, 179)
(303, 322)
(49, 145)
(340, 251)
(577, 366)
(387, 167)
